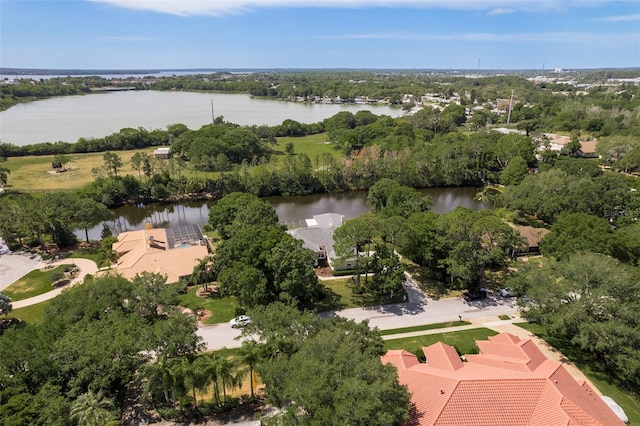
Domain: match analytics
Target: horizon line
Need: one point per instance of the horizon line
(143, 70)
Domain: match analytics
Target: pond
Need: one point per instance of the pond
(289, 209)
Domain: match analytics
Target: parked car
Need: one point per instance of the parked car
(507, 292)
(475, 294)
(240, 321)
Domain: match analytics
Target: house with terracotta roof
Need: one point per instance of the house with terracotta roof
(509, 383)
(559, 142)
(172, 252)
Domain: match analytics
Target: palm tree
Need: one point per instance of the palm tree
(93, 409)
(225, 370)
(250, 354)
(165, 374)
(197, 377)
(204, 272)
(490, 193)
(106, 256)
(219, 372)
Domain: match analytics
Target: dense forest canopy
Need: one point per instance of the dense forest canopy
(584, 290)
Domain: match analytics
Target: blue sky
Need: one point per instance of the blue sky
(397, 34)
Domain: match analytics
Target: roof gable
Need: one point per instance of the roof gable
(509, 383)
(443, 356)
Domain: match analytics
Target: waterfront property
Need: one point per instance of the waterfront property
(510, 382)
(172, 252)
(531, 238)
(317, 234)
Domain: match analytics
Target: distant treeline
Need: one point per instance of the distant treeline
(383, 85)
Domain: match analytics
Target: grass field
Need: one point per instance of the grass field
(32, 173)
(464, 341)
(593, 370)
(34, 283)
(33, 314)
(311, 145)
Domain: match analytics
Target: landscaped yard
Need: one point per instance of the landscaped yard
(339, 296)
(90, 253)
(34, 283)
(222, 309)
(464, 341)
(593, 370)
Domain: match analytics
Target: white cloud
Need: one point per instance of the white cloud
(620, 18)
(484, 37)
(501, 11)
(226, 7)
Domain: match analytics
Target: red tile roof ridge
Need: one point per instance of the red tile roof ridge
(505, 337)
(490, 390)
(443, 356)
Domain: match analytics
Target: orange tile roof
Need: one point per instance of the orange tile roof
(139, 253)
(588, 147)
(509, 383)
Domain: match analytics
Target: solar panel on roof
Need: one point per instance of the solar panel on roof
(183, 234)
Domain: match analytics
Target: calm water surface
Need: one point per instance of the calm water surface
(69, 118)
(289, 209)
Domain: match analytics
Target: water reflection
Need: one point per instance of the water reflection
(289, 209)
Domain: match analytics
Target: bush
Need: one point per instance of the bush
(56, 276)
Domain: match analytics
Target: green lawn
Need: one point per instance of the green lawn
(31, 173)
(423, 327)
(464, 341)
(593, 370)
(33, 284)
(87, 253)
(222, 309)
(338, 295)
(33, 314)
(311, 145)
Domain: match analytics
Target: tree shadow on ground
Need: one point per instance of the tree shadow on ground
(329, 301)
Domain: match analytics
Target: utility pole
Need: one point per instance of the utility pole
(510, 107)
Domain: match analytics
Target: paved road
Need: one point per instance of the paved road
(15, 266)
(418, 310)
(85, 267)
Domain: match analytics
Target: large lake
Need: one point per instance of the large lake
(69, 118)
(289, 209)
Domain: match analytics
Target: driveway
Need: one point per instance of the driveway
(15, 266)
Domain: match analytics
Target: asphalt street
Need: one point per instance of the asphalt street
(418, 310)
(14, 266)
